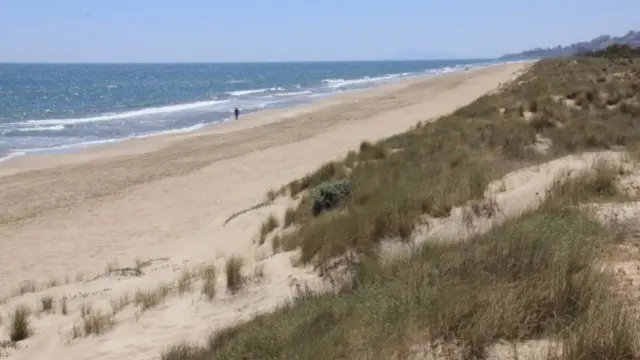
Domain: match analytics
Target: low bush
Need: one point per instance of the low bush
(329, 195)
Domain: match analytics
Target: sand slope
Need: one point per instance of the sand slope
(167, 198)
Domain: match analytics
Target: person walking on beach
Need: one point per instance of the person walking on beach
(236, 112)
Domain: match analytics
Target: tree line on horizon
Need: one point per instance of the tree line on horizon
(613, 51)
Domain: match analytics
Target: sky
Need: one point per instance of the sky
(297, 30)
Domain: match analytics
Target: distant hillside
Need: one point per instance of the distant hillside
(632, 38)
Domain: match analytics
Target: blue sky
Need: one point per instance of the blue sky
(285, 30)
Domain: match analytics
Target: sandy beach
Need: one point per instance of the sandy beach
(164, 200)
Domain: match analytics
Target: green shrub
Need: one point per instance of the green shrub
(328, 195)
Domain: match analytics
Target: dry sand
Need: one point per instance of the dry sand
(166, 199)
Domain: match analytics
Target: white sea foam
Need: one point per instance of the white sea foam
(294, 93)
(58, 127)
(130, 114)
(340, 83)
(79, 145)
(253, 91)
(11, 155)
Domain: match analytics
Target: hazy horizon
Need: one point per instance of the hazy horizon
(250, 31)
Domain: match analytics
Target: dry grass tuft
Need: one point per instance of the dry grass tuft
(267, 227)
(327, 172)
(19, 327)
(185, 281)
(47, 303)
(96, 323)
(85, 310)
(233, 269)
(271, 195)
(150, 299)
(181, 352)
(63, 306)
(600, 183)
(209, 282)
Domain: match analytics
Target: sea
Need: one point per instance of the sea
(53, 108)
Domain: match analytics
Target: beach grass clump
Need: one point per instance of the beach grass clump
(185, 281)
(19, 329)
(96, 323)
(233, 270)
(270, 224)
(208, 275)
(46, 303)
(147, 300)
(369, 151)
(183, 352)
(63, 306)
(600, 183)
(329, 171)
(271, 195)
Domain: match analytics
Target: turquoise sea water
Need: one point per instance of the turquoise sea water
(44, 107)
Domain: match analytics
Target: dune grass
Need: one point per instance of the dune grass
(535, 277)
(63, 306)
(46, 303)
(96, 323)
(532, 277)
(20, 327)
(289, 217)
(209, 282)
(147, 300)
(270, 224)
(233, 270)
(578, 104)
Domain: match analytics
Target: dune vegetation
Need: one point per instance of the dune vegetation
(535, 280)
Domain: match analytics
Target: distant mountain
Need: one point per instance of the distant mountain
(632, 38)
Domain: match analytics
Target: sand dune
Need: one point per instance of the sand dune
(73, 217)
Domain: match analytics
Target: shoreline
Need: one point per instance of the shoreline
(10, 159)
(44, 193)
